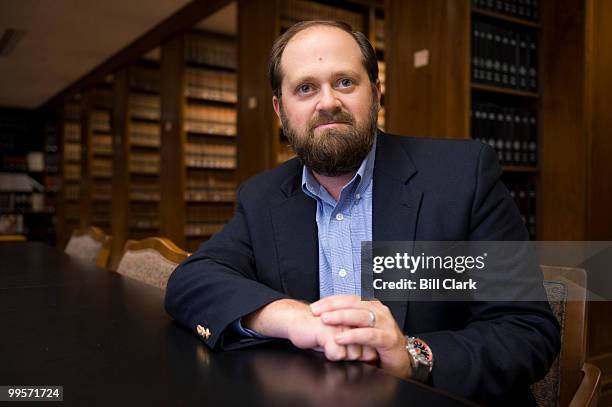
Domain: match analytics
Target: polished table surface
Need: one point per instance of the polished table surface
(107, 340)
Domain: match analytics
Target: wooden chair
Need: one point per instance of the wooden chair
(151, 260)
(570, 381)
(91, 245)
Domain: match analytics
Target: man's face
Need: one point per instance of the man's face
(328, 106)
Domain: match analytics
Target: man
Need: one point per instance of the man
(287, 265)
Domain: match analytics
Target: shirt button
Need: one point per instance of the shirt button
(339, 216)
(342, 273)
(358, 196)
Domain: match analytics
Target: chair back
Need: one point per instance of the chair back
(564, 377)
(151, 260)
(91, 245)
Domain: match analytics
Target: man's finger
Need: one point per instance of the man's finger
(335, 302)
(372, 337)
(368, 354)
(334, 352)
(354, 352)
(348, 317)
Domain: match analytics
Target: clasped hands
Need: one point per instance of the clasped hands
(346, 328)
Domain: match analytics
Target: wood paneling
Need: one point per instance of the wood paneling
(430, 101)
(257, 130)
(563, 141)
(172, 170)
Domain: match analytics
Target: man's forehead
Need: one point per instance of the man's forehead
(321, 43)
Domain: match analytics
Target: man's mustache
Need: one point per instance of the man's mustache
(342, 117)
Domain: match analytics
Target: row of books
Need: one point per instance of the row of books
(145, 106)
(210, 195)
(143, 222)
(72, 172)
(145, 79)
(511, 131)
(145, 193)
(504, 57)
(72, 191)
(203, 228)
(211, 120)
(13, 163)
(101, 144)
(527, 9)
(72, 132)
(101, 121)
(293, 11)
(72, 152)
(211, 85)
(144, 163)
(382, 75)
(524, 194)
(200, 180)
(101, 191)
(209, 50)
(101, 168)
(208, 212)
(145, 134)
(210, 161)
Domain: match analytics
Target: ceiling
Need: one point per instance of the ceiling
(65, 39)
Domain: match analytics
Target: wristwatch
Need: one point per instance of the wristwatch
(421, 358)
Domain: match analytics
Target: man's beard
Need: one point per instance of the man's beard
(334, 151)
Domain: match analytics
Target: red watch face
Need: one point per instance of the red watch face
(422, 349)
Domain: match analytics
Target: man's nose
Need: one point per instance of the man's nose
(328, 101)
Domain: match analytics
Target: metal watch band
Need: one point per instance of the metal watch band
(421, 366)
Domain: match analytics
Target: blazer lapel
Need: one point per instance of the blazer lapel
(396, 203)
(296, 236)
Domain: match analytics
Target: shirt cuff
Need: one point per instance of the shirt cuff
(246, 331)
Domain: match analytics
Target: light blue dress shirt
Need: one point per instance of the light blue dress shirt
(342, 226)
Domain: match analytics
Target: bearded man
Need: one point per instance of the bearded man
(287, 265)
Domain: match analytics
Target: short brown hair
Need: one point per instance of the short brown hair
(274, 69)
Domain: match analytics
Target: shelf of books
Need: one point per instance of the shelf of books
(101, 154)
(504, 93)
(51, 178)
(209, 124)
(363, 18)
(144, 147)
(70, 168)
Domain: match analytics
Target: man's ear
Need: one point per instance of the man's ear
(276, 105)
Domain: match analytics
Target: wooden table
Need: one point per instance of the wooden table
(108, 341)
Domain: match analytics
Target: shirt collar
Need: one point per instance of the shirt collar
(363, 176)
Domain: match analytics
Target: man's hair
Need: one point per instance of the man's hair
(368, 56)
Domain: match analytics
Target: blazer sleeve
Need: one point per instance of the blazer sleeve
(505, 345)
(217, 285)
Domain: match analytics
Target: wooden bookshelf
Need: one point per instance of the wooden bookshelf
(200, 126)
(70, 168)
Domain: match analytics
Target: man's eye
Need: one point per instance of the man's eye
(345, 83)
(304, 88)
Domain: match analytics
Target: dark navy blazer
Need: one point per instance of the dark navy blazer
(424, 189)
